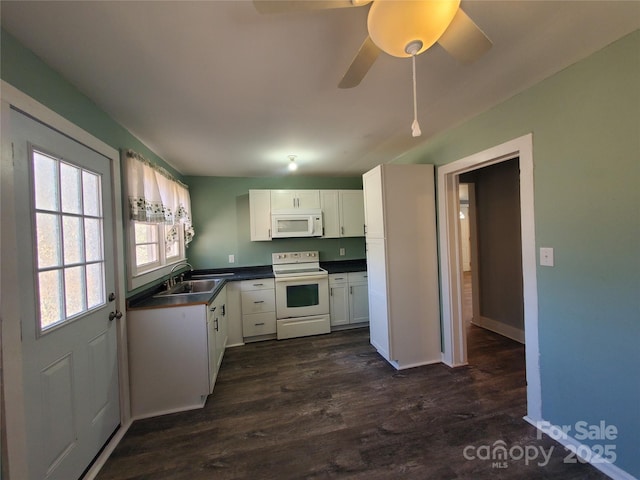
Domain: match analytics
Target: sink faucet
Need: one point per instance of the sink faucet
(172, 278)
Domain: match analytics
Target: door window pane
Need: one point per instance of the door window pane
(93, 239)
(70, 185)
(95, 285)
(45, 182)
(74, 288)
(48, 240)
(91, 194)
(69, 239)
(49, 287)
(73, 244)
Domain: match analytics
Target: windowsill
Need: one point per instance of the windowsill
(152, 276)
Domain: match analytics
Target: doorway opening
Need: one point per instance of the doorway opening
(453, 326)
(491, 242)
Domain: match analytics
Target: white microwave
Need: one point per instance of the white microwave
(296, 223)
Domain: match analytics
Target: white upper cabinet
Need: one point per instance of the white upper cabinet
(295, 199)
(373, 205)
(260, 214)
(351, 213)
(343, 213)
(329, 200)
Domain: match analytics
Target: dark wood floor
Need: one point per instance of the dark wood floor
(331, 407)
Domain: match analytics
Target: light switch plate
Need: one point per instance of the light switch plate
(342, 251)
(232, 259)
(546, 256)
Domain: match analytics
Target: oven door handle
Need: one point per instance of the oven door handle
(301, 278)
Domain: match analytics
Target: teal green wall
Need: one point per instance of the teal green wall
(586, 148)
(221, 218)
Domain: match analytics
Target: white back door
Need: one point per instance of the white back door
(64, 208)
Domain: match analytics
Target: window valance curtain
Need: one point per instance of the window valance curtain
(155, 196)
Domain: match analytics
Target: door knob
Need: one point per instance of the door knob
(113, 315)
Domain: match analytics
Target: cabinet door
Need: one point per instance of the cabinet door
(260, 215)
(293, 199)
(221, 326)
(308, 199)
(211, 342)
(233, 312)
(258, 301)
(329, 201)
(373, 205)
(339, 304)
(358, 303)
(351, 213)
(283, 199)
(259, 324)
(378, 308)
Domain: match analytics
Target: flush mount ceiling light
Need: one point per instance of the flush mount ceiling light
(293, 166)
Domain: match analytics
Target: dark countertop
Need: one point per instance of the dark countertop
(146, 298)
(345, 266)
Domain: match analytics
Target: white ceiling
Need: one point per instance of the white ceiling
(215, 88)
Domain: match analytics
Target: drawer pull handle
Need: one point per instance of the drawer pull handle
(258, 284)
(259, 301)
(259, 324)
(339, 278)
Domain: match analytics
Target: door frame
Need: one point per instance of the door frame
(454, 340)
(14, 459)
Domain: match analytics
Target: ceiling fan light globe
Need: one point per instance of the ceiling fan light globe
(394, 24)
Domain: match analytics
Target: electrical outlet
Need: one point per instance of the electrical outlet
(546, 256)
(342, 251)
(232, 258)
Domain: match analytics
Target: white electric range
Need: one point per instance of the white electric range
(302, 294)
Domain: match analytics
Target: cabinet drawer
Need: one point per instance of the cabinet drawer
(258, 324)
(258, 284)
(357, 277)
(337, 278)
(258, 301)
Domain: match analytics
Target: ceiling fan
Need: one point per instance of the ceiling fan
(401, 28)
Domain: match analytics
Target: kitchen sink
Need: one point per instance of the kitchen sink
(191, 287)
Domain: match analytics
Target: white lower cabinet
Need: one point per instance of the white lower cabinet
(358, 297)
(258, 303)
(174, 356)
(234, 314)
(217, 334)
(348, 299)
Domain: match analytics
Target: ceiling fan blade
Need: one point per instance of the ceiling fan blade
(361, 64)
(284, 6)
(464, 40)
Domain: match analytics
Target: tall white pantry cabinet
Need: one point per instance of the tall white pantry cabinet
(404, 311)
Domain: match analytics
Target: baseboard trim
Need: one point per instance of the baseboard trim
(500, 328)
(594, 459)
(106, 452)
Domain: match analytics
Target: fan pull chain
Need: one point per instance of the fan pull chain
(415, 127)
